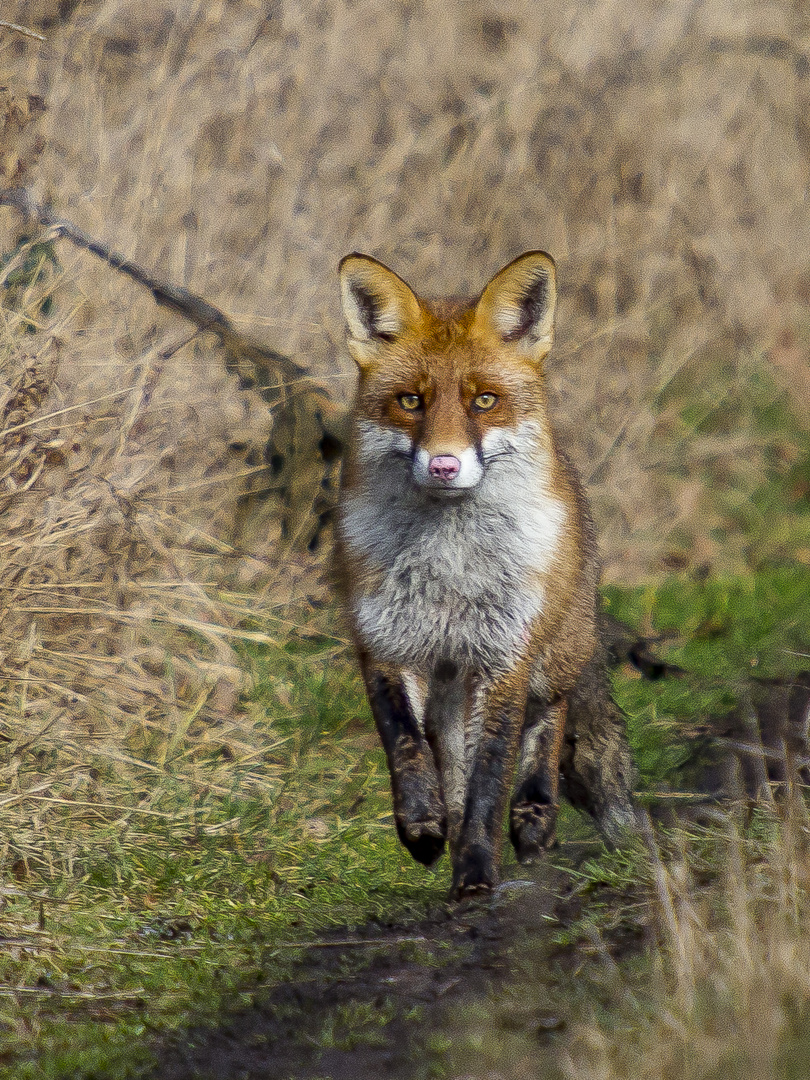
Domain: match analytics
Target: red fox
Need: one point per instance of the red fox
(468, 566)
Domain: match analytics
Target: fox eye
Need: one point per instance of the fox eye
(410, 402)
(485, 401)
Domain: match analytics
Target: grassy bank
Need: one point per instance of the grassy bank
(141, 906)
(165, 879)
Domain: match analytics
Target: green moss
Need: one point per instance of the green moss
(723, 632)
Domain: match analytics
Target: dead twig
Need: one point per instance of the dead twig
(347, 943)
(188, 304)
(22, 30)
(70, 995)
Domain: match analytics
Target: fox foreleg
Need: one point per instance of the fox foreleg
(533, 811)
(419, 812)
(447, 723)
(476, 858)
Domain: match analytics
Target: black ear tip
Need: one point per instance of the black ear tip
(348, 258)
(359, 256)
(538, 254)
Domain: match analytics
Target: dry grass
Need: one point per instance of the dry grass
(118, 641)
(731, 991)
(658, 150)
(720, 991)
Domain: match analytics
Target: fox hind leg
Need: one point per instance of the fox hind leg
(533, 810)
(419, 811)
(596, 765)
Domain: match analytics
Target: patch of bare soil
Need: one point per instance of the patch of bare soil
(380, 1001)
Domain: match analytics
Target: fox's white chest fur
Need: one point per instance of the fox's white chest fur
(459, 579)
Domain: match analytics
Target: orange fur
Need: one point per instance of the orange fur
(466, 555)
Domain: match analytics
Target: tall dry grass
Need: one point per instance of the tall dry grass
(730, 996)
(119, 671)
(659, 151)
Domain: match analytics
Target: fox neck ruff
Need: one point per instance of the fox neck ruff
(459, 579)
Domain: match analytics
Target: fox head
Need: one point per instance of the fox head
(449, 385)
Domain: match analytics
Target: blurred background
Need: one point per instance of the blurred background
(238, 149)
(659, 151)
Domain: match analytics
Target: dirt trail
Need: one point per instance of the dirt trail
(371, 1003)
(392, 1000)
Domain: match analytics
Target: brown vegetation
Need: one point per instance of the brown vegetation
(660, 152)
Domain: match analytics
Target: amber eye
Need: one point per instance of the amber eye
(410, 402)
(485, 401)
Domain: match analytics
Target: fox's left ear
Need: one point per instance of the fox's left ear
(518, 305)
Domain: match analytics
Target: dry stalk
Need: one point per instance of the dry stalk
(24, 30)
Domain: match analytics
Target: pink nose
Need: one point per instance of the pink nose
(444, 467)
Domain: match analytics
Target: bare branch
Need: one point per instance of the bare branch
(309, 428)
(188, 304)
(22, 30)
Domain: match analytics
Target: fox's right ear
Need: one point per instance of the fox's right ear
(377, 306)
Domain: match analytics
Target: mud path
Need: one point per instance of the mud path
(383, 1001)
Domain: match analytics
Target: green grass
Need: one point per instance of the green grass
(140, 932)
(727, 432)
(723, 632)
(126, 926)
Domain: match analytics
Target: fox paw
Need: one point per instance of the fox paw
(473, 875)
(532, 829)
(423, 839)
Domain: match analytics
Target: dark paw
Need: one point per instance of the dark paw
(423, 839)
(532, 829)
(473, 876)
(421, 818)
